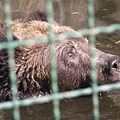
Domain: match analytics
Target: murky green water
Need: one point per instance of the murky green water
(74, 13)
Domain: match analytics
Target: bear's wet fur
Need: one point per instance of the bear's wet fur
(24, 83)
(32, 66)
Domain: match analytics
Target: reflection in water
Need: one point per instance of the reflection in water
(108, 11)
(74, 13)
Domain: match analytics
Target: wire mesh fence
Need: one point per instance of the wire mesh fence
(56, 97)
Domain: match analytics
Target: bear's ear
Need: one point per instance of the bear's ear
(37, 15)
(3, 37)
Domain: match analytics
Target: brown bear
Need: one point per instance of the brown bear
(32, 63)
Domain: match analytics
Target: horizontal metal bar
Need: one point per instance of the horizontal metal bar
(94, 31)
(100, 29)
(60, 96)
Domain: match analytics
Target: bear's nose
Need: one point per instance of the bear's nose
(113, 64)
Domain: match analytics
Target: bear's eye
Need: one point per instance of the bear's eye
(71, 52)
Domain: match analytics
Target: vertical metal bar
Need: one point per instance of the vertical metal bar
(53, 72)
(11, 53)
(91, 23)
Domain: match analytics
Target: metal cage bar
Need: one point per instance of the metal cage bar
(49, 8)
(11, 53)
(91, 23)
